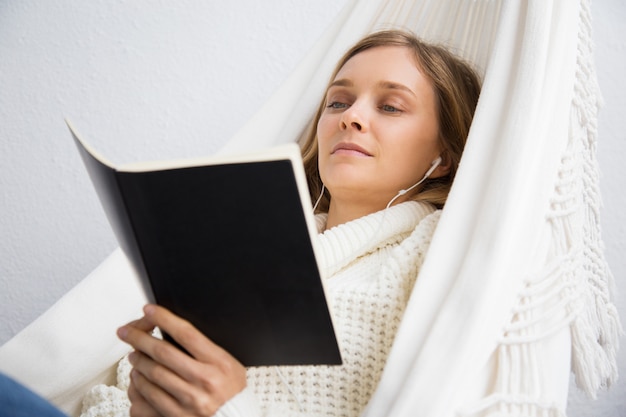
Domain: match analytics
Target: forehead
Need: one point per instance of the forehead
(382, 61)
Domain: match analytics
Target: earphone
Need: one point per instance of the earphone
(432, 169)
(428, 173)
(434, 166)
(319, 198)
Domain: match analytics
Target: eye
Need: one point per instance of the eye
(387, 108)
(337, 105)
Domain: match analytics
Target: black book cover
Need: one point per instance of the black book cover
(228, 247)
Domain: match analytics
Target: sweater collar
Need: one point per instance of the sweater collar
(344, 243)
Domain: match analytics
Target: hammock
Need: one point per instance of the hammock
(522, 215)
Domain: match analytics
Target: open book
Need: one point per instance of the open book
(226, 243)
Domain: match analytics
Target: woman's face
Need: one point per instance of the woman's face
(378, 133)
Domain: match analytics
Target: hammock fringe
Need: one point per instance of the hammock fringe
(597, 329)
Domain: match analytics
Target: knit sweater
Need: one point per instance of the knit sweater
(370, 265)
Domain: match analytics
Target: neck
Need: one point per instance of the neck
(342, 212)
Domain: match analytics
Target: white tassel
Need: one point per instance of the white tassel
(597, 328)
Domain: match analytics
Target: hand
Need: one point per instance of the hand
(166, 381)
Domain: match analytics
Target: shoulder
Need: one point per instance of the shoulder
(416, 242)
(429, 220)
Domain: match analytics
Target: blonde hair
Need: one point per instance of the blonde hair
(457, 87)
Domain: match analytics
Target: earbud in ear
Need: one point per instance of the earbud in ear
(433, 167)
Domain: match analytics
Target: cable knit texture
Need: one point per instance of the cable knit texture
(370, 266)
(110, 401)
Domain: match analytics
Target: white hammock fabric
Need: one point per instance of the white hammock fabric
(521, 220)
(523, 212)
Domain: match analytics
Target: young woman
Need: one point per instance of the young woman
(380, 157)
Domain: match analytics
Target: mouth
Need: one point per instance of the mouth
(346, 148)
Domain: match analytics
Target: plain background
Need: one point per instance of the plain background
(146, 80)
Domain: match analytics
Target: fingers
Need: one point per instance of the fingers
(139, 407)
(149, 400)
(157, 374)
(163, 391)
(219, 368)
(183, 332)
(158, 350)
(207, 355)
(144, 324)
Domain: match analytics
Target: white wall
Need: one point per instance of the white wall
(146, 80)
(141, 80)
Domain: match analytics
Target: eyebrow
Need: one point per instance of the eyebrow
(387, 85)
(342, 82)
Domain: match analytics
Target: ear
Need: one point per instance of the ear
(444, 167)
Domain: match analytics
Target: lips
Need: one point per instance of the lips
(346, 148)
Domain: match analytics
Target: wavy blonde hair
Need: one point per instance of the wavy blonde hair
(457, 88)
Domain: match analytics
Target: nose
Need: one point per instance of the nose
(354, 117)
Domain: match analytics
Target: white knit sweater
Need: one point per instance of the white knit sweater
(371, 265)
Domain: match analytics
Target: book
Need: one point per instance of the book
(226, 243)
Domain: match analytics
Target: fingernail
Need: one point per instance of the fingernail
(132, 357)
(122, 332)
(148, 309)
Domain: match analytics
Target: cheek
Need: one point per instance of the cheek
(324, 136)
(322, 144)
(324, 127)
(413, 154)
